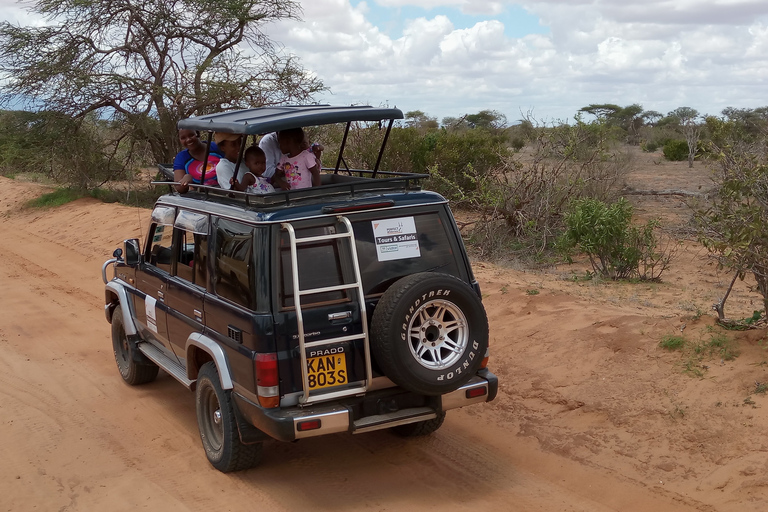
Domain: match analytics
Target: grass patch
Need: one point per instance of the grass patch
(721, 345)
(672, 342)
(693, 367)
(576, 278)
(694, 353)
(145, 197)
(58, 197)
(532, 292)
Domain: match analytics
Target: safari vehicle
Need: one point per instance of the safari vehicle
(345, 307)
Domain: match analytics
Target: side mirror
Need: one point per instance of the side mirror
(132, 252)
(118, 254)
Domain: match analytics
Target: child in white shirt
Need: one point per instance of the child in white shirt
(229, 146)
(253, 181)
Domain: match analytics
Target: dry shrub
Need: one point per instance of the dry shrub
(521, 203)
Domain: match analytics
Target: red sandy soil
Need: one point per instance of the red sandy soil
(592, 415)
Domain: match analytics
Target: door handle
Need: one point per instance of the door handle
(198, 315)
(339, 316)
(160, 295)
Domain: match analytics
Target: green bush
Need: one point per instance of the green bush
(649, 146)
(676, 150)
(460, 156)
(517, 143)
(616, 249)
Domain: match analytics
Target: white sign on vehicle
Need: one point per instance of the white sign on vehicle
(149, 307)
(396, 239)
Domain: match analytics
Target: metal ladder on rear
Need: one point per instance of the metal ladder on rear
(298, 293)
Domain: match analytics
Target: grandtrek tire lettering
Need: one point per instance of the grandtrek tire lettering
(427, 330)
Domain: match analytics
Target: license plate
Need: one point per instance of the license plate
(327, 371)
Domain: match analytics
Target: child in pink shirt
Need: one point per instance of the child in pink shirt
(300, 167)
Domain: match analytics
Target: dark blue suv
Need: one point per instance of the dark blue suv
(345, 307)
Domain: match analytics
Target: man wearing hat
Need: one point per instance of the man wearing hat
(229, 145)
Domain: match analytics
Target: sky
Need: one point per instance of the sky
(540, 58)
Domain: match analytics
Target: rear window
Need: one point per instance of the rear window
(387, 249)
(320, 265)
(394, 247)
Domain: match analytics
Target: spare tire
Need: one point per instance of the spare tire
(429, 333)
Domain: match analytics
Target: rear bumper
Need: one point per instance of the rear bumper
(376, 410)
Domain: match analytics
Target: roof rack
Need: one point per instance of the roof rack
(333, 185)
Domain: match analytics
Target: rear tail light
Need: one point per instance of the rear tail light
(303, 426)
(476, 392)
(267, 381)
(487, 355)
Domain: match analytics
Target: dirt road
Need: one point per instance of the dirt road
(585, 418)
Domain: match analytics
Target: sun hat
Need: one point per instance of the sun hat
(220, 137)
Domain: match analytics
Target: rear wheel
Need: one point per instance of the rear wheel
(420, 428)
(218, 427)
(131, 371)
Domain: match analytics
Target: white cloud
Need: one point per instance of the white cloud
(16, 12)
(422, 38)
(707, 54)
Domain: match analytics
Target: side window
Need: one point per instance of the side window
(159, 251)
(191, 257)
(192, 247)
(234, 262)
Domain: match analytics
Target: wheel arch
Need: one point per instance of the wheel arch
(115, 296)
(199, 350)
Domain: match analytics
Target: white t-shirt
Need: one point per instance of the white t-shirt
(271, 147)
(225, 170)
(260, 186)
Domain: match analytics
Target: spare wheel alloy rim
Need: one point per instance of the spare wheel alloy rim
(437, 334)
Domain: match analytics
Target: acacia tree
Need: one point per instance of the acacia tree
(421, 121)
(149, 63)
(688, 118)
(629, 118)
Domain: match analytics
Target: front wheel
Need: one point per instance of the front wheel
(218, 427)
(132, 372)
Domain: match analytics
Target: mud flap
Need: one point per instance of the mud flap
(247, 432)
(136, 355)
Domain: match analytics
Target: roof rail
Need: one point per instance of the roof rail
(334, 184)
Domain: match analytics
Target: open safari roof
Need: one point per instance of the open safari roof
(269, 119)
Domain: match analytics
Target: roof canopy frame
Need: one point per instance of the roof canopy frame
(258, 121)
